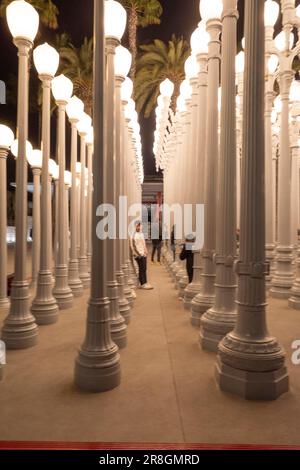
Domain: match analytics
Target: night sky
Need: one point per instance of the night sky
(76, 17)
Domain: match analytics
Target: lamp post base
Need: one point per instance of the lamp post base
(215, 325)
(200, 304)
(84, 275)
(20, 330)
(97, 367)
(124, 306)
(4, 303)
(190, 293)
(118, 328)
(44, 307)
(284, 275)
(62, 291)
(74, 281)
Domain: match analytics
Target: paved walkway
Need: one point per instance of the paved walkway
(168, 392)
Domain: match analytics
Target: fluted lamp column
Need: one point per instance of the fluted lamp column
(211, 12)
(113, 32)
(90, 153)
(62, 89)
(20, 330)
(35, 160)
(97, 367)
(74, 110)
(6, 139)
(83, 128)
(250, 361)
(221, 318)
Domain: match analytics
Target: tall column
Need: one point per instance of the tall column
(251, 362)
(118, 326)
(20, 330)
(203, 301)
(221, 318)
(4, 301)
(124, 306)
(97, 367)
(83, 264)
(62, 291)
(36, 247)
(74, 280)
(283, 278)
(90, 151)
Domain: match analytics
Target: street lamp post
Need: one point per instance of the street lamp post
(90, 151)
(74, 110)
(62, 89)
(211, 13)
(221, 318)
(35, 160)
(6, 139)
(115, 23)
(97, 367)
(83, 128)
(20, 330)
(250, 361)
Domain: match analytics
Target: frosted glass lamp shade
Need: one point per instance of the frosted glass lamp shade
(191, 67)
(126, 89)
(46, 60)
(123, 59)
(200, 40)
(186, 90)
(166, 88)
(35, 159)
(62, 88)
(211, 9)
(273, 64)
(75, 108)
(15, 148)
(90, 137)
(22, 19)
(84, 125)
(280, 41)
(271, 13)
(78, 168)
(115, 18)
(68, 178)
(240, 62)
(52, 167)
(6, 136)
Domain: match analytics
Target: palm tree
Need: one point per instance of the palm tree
(141, 13)
(47, 10)
(157, 62)
(77, 64)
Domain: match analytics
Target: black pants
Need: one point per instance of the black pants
(156, 246)
(142, 264)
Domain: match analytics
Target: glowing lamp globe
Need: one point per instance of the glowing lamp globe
(191, 67)
(84, 125)
(68, 178)
(273, 116)
(280, 41)
(46, 60)
(278, 105)
(271, 12)
(240, 62)
(160, 102)
(62, 88)
(22, 20)
(35, 159)
(90, 137)
(123, 60)
(126, 89)
(273, 64)
(78, 168)
(181, 107)
(52, 167)
(186, 90)
(15, 148)
(115, 18)
(200, 40)
(211, 9)
(6, 137)
(295, 91)
(298, 11)
(166, 88)
(75, 108)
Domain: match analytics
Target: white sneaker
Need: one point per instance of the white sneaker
(147, 287)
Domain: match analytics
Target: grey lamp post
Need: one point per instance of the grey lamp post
(44, 306)
(113, 32)
(211, 13)
(83, 128)
(221, 318)
(97, 367)
(20, 330)
(6, 139)
(62, 89)
(35, 160)
(250, 361)
(74, 110)
(90, 151)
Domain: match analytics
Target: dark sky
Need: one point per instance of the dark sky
(76, 17)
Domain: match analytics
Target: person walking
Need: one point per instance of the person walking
(188, 255)
(140, 253)
(156, 243)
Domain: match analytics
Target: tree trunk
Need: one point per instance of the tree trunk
(132, 28)
(175, 96)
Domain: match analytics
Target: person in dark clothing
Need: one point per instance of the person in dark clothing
(188, 255)
(172, 243)
(156, 242)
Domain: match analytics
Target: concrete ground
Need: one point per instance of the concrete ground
(168, 392)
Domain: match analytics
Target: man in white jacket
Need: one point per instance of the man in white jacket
(140, 253)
